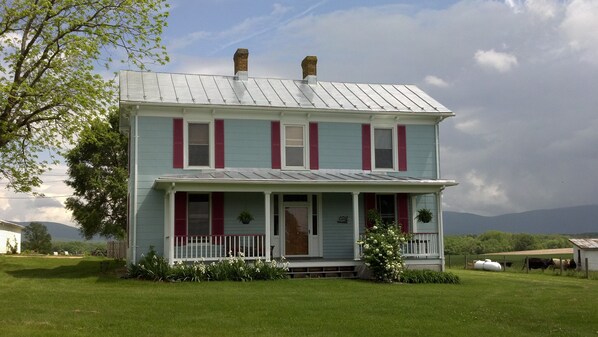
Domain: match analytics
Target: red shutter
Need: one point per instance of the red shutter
(314, 158)
(402, 148)
(275, 144)
(219, 143)
(217, 213)
(180, 214)
(403, 211)
(366, 148)
(177, 143)
(369, 201)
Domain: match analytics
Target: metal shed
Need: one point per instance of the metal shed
(10, 237)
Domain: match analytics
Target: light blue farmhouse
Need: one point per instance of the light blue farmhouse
(306, 159)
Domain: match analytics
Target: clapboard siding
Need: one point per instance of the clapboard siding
(339, 145)
(338, 237)
(247, 143)
(421, 151)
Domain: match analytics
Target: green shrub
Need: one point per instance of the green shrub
(429, 276)
(382, 250)
(234, 268)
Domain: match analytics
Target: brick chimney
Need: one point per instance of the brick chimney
(240, 58)
(309, 69)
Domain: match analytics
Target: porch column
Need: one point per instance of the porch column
(170, 226)
(356, 225)
(440, 228)
(267, 224)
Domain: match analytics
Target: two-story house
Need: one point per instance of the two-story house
(305, 158)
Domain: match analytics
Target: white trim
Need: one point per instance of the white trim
(440, 228)
(211, 140)
(267, 222)
(170, 224)
(395, 146)
(356, 226)
(283, 146)
(135, 184)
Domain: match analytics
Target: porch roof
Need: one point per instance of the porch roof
(305, 181)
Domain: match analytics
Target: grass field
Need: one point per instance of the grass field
(72, 297)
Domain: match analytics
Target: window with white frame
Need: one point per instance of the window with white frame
(198, 210)
(385, 205)
(294, 146)
(198, 144)
(383, 149)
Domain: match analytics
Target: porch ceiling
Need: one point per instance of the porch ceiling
(258, 180)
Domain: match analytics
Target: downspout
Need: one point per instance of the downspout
(135, 170)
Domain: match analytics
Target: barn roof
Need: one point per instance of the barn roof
(11, 224)
(212, 90)
(585, 243)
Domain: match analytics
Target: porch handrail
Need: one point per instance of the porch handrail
(217, 247)
(419, 245)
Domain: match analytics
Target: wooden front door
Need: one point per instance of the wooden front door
(296, 220)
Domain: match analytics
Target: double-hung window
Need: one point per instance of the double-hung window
(385, 205)
(198, 214)
(383, 148)
(198, 145)
(294, 146)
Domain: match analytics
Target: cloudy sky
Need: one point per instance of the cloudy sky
(522, 77)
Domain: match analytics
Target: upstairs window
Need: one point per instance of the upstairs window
(294, 146)
(198, 144)
(383, 150)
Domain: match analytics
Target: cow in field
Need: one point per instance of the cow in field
(537, 263)
(567, 264)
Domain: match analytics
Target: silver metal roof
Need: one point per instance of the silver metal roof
(585, 243)
(188, 89)
(265, 176)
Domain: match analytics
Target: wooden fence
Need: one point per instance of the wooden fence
(117, 250)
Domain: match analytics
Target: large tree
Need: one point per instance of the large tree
(50, 53)
(37, 238)
(98, 174)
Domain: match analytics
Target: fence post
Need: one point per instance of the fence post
(465, 266)
(504, 261)
(527, 265)
(587, 269)
(561, 259)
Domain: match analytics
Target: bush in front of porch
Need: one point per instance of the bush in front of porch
(382, 249)
(234, 268)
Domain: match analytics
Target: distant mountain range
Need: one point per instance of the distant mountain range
(568, 220)
(62, 232)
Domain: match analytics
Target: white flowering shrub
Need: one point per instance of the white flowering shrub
(381, 248)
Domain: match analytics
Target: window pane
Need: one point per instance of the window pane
(383, 138)
(383, 148)
(199, 155)
(383, 158)
(198, 215)
(386, 207)
(294, 156)
(199, 134)
(294, 135)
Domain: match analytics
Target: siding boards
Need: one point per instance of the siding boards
(426, 201)
(234, 203)
(339, 146)
(337, 237)
(421, 151)
(247, 143)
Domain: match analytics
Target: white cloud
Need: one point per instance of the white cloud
(580, 26)
(502, 62)
(436, 81)
(544, 9)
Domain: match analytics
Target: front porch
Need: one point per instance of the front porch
(253, 247)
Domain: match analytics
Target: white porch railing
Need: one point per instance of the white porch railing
(217, 247)
(420, 245)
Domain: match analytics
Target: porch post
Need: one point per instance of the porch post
(356, 225)
(170, 225)
(267, 224)
(440, 228)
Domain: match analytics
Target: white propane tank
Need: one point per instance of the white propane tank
(487, 265)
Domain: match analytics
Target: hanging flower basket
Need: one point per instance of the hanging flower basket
(424, 215)
(245, 217)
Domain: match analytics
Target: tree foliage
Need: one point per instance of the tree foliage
(49, 87)
(37, 238)
(495, 242)
(98, 174)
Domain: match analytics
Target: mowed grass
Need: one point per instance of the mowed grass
(72, 297)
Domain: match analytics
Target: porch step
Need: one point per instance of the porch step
(323, 272)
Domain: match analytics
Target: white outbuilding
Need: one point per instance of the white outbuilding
(10, 237)
(585, 250)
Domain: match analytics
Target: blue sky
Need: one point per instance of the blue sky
(521, 75)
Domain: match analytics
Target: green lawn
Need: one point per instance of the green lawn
(71, 297)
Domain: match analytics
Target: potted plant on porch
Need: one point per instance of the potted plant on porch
(424, 215)
(245, 217)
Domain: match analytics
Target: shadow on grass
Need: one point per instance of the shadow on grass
(104, 270)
